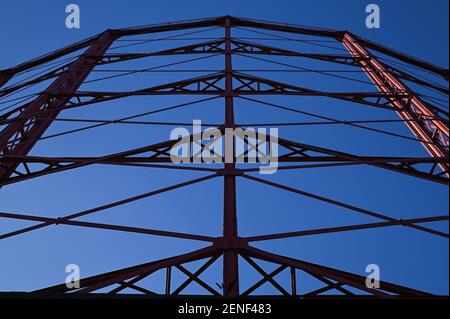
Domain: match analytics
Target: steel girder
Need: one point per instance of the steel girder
(15, 138)
(333, 278)
(307, 155)
(26, 124)
(429, 128)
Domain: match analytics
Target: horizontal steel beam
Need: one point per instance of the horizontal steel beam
(129, 229)
(94, 283)
(328, 230)
(352, 280)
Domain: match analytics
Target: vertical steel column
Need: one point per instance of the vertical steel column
(20, 136)
(230, 256)
(168, 279)
(422, 121)
(293, 281)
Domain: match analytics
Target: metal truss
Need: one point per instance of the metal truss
(24, 125)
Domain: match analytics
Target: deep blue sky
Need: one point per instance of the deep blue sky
(407, 257)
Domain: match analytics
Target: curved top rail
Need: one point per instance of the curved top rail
(6, 74)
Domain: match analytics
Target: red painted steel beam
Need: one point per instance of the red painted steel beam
(330, 285)
(256, 48)
(434, 132)
(115, 158)
(218, 21)
(7, 74)
(103, 280)
(253, 23)
(195, 277)
(346, 278)
(174, 26)
(400, 165)
(212, 47)
(345, 156)
(266, 276)
(129, 229)
(402, 56)
(327, 230)
(27, 128)
(230, 256)
(209, 47)
(180, 259)
(410, 77)
(264, 280)
(344, 205)
(337, 34)
(106, 206)
(41, 78)
(211, 85)
(19, 137)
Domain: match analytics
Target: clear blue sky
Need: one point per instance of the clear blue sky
(405, 256)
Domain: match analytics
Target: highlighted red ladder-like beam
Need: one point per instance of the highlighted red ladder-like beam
(421, 120)
(21, 135)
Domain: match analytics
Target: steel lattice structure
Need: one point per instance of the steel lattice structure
(26, 123)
